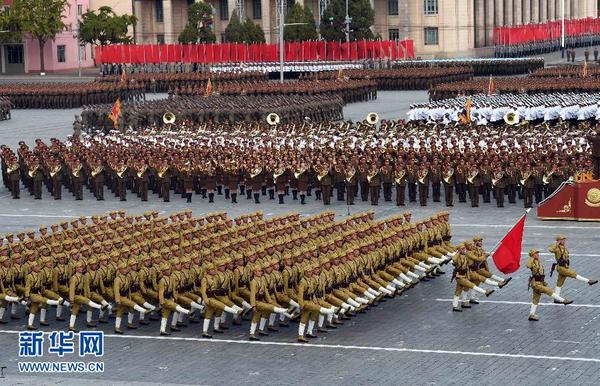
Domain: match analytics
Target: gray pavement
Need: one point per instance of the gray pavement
(413, 339)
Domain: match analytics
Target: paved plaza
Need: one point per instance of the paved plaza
(414, 339)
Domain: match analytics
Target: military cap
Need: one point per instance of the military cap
(47, 259)
(533, 252)
(175, 260)
(92, 260)
(164, 266)
(209, 265)
(79, 264)
(185, 260)
(477, 238)
(122, 264)
(3, 258)
(560, 237)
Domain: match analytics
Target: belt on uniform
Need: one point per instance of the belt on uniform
(62, 281)
(279, 288)
(539, 278)
(167, 294)
(124, 292)
(307, 296)
(259, 297)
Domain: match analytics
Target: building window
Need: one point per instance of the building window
(60, 53)
(431, 7)
(160, 15)
(256, 9)
(83, 50)
(160, 39)
(14, 54)
(393, 34)
(392, 7)
(79, 9)
(224, 10)
(431, 36)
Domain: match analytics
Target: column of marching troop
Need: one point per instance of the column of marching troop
(315, 270)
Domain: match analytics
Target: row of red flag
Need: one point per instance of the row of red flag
(262, 52)
(550, 30)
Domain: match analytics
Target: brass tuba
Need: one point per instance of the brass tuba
(510, 118)
(169, 118)
(273, 119)
(372, 118)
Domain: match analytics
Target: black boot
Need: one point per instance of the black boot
(211, 197)
(308, 192)
(318, 195)
(227, 194)
(280, 198)
(295, 194)
(271, 194)
(242, 189)
(263, 190)
(256, 196)
(189, 197)
(287, 191)
(234, 198)
(249, 194)
(203, 193)
(302, 197)
(219, 190)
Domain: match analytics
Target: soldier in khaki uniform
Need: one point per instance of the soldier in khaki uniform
(538, 284)
(167, 290)
(261, 301)
(461, 274)
(79, 293)
(562, 265)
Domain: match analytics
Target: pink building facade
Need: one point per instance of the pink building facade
(60, 54)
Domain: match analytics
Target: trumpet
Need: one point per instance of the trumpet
(299, 173)
(371, 176)
(255, 172)
(55, 170)
(372, 118)
(121, 171)
(278, 173)
(448, 175)
(322, 175)
(169, 118)
(472, 175)
(525, 178)
(162, 172)
(422, 175)
(273, 119)
(546, 177)
(141, 171)
(13, 168)
(399, 176)
(497, 177)
(76, 170)
(97, 171)
(510, 118)
(31, 173)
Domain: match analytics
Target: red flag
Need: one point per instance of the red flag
(507, 256)
(209, 88)
(115, 112)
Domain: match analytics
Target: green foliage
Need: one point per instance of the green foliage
(361, 13)
(307, 31)
(9, 21)
(41, 19)
(104, 27)
(247, 32)
(199, 26)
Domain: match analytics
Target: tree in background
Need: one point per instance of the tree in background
(235, 29)
(41, 19)
(307, 31)
(10, 24)
(104, 27)
(199, 26)
(247, 32)
(361, 13)
(253, 32)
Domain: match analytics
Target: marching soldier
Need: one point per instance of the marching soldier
(562, 265)
(79, 293)
(423, 182)
(498, 184)
(538, 284)
(461, 274)
(399, 178)
(374, 179)
(527, 182)
(474, 183)
(448, 179)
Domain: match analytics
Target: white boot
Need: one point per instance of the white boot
(130, 317)
(163, 325)
(352, 303)
(139, 309)
(174, 320)
(294, 303)
(272, 319)
(11, 299)
(95, 305)
(31, 319)
(72, 321)
(311, 325)
(206, 325)
(230, 310)
(581, 278)
(182, 310)
(262, 324)
(321, 320)
(398, 283)
(253, 328)
(196, 306)
(88, 316)
(51, 302)
(455, 301)
(325, 311)
(148, 306)
(491, 282)
(246, 305)
(217, 324)
(557, 290)
(556, 297)
(479, 289)
(532, 310)
(301, 327)
(413, 275)
(279, 310)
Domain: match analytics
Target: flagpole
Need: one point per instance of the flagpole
(513, 227)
